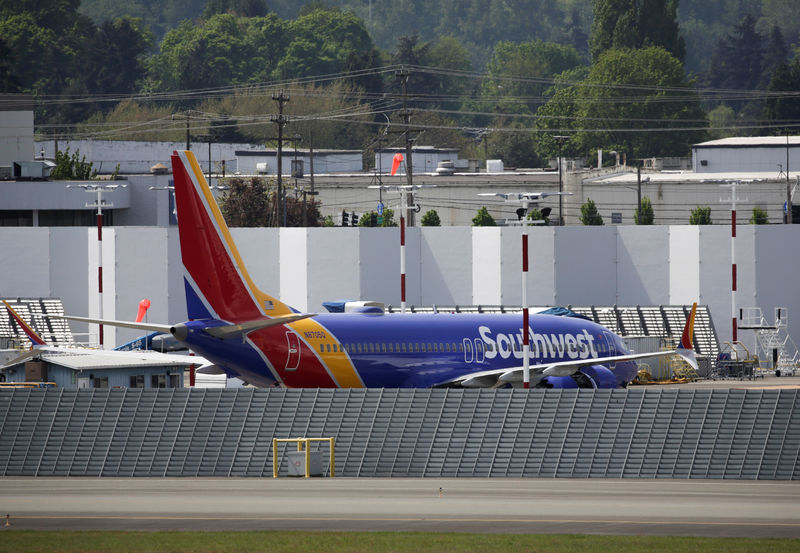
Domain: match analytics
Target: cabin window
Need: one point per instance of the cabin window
(461, 348)
(416, 347)
(358, 346)
(328, 348)
(383, 347)
(322, 348)
(404, 347)
(429, 347)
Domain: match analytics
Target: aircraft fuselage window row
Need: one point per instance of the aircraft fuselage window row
(394, 347)
(433, 347)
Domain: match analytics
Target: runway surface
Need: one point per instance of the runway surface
(637, 507)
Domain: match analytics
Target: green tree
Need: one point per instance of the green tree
(74, 167)
(483, 218)
(759, 217)
(701, 215)
(114, 56)
(738, 58)
(536, 214)
(370, 219)
(247, 203)
(531, 60)
(431, 219)
(786, 78)
(589, 214)
(242, 8)
(625, 24)
(638, 89)
(644, 215)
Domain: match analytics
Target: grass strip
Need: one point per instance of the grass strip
(15, 541)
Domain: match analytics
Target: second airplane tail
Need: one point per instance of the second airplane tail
(216, 280)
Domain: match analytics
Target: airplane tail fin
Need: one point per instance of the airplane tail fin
(686, 347)
(216, 280)
(35, 339)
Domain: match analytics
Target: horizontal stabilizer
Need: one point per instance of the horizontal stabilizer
(237, 330)
(123, 324)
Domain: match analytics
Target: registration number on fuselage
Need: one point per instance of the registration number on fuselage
(315, 334)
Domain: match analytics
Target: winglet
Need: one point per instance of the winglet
(686, 348)
(35, 339)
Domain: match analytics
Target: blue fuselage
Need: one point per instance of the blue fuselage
(402, 351)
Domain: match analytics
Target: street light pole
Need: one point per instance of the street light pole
(560, 139)
(99, 203)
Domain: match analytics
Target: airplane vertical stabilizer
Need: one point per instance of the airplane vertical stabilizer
(35, 339)
(216, 280)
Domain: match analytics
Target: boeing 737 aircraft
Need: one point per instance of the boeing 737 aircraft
(258, 338)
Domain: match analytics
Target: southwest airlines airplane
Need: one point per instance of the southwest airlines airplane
(258, 338)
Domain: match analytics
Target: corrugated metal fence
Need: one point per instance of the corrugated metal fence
(638, 433)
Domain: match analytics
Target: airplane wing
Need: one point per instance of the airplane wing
(24, 356)
(223, 332)
(512, 375)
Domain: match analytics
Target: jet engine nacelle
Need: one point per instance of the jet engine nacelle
(595, 376)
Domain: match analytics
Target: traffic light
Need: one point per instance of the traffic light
(345, 217)
(354, 219)
(373, 219)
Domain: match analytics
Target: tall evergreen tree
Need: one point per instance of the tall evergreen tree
(738, 57)
(636, 24)
(785, 78)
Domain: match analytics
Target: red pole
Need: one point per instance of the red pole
(100, 265)
(526, 377)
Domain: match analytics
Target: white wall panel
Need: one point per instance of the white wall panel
(445, 267)
(25, 262)
(135, 279)
(715, 276)
(379, 262)
(260, 249)
(684, 264)
(487, 277)
(68, 265)
(294, 268)
(333, 269)
(586, 265)
(642, 265)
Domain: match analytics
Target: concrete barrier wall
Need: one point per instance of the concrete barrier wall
(624, 265)
(637, 433)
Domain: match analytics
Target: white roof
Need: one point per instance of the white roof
(688, 177)
(99, 359)
(749, 141)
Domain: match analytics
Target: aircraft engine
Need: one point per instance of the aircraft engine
(596, 376)
(601, 376)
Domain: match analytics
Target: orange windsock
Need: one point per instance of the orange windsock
(396, 161)
(144, 305)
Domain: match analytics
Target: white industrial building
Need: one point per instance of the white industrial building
(773, 155)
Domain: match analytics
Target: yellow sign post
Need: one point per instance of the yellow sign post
(302, 445)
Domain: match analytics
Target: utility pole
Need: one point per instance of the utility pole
(174, 115)
(402, 75)
(788, 187)
(560, 139)
(281, 120)
(639, 194)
